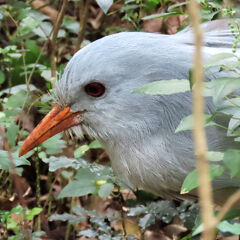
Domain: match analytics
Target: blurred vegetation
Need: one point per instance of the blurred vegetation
(65, 188)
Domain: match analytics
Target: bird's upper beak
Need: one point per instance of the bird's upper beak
(57, 120)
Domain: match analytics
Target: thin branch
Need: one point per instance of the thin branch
(205, 189)
(54, 38)
(227, 206)
(83, 13)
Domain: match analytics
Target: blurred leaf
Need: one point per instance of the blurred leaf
(234, 124)
(105, 190)
(95, 144)
(165, 87)
(28, 24)
(187, 123)
(81, 150)
(5, 162)
(138, 210)
(82, 184)
(2, 77)
(146, 221)
(46, 74)
(214, 156)
(54, 144)
(105, 5)
(17, 100)
(38, 15)
(64, 162)
(232, 161)
(72, 219)
(38, 235)
(45, 29)
(160, 15)
(208, 14)
(11, 134)
(88, 233)
(18, 88)
(67, 174)
(177, 5)
(218, 59)
(233, 228)
(191, 181)
(221, 87)
(71, 25)
(33, 212)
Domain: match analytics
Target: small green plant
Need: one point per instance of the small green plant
(19, 221)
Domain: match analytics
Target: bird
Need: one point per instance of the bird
(95, 96)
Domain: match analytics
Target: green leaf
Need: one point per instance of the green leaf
(215, 156)
(11, 134)
(218, 59)
(165, 87)
(221, 87)
(2, 77)
(5, 162)
(187, 123)
(176, 5)
(105, 5)
(95, 144)
(146, 221)
(72, 219)
(64, 162)
(232, 161)
(234, 124)
(27, 25)
(33, 212)
(17, 100)
(160, 15)
(225, 226)
(105, 190)
(191, 181)
(88, 233)
(54, 144)
(45, 30)
(80, 151)
(83, 184)
(67, 174)
(71, 25)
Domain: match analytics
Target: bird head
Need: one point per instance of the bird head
(95, 94)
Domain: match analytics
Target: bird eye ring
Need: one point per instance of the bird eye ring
(95, 89)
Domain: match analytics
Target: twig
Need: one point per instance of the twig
(227, 206)
(38, 191)
(54, 39)
(83, 13)
(205, 189)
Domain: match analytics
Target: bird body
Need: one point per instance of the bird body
(137, 130)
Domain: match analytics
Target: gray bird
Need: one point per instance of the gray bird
(95, 96)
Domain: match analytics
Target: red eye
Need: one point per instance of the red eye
(95, 89)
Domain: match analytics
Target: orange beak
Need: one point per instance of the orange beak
(55, 121)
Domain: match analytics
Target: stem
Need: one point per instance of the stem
(54, 39)
(69, 225)
(50, 192)
(205, 188)
(38, 192)
(83, 13)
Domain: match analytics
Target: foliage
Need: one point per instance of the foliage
(16, 219)
(27, 94)
(225, 96)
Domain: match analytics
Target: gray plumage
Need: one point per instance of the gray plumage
(137, 130)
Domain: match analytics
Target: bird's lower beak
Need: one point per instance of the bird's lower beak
(57, 120)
